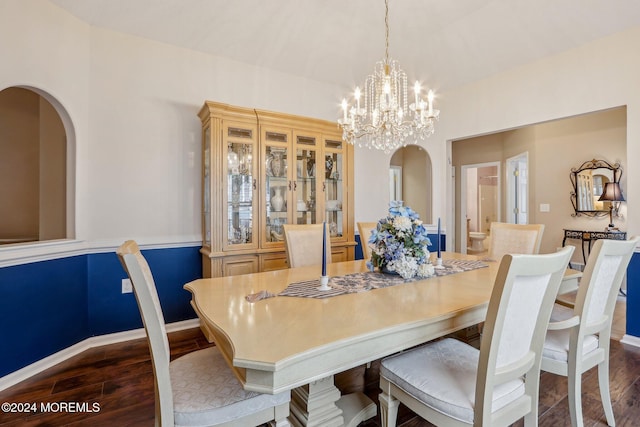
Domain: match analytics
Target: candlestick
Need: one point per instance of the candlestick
(324, 280)
(324, 248)
(439, 254)
(439, 258)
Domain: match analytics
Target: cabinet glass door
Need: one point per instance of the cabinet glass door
(241, 184)
(305, 184)
(334, 174)
(277, 184)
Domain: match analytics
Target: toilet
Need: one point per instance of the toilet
(477, 241)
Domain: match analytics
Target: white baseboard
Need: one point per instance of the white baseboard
(50, 361)
(630, 340)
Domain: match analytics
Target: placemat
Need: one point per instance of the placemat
(365, 281)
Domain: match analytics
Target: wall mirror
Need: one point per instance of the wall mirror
(588, 181)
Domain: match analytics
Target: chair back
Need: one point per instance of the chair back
(365, 229)
(514, 239)
(600, 284)
(146, 295)
(517, 317)
(303, 243)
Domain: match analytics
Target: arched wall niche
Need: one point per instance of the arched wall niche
(413, 162)
(37, 167)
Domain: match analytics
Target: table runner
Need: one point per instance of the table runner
(365, 281)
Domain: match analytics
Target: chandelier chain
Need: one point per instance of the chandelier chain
(386, 31)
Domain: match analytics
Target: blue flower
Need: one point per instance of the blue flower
(400, 245)
(370, 266)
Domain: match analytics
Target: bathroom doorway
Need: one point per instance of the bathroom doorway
(480, 203)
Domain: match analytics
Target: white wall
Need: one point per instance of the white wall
(133, 103)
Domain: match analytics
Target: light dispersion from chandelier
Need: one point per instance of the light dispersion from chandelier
(385, 119)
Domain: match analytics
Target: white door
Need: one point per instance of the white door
(518, 189)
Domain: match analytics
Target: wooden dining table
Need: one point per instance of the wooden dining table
(298, 343)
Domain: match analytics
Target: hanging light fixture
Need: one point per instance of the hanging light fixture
(384, 119)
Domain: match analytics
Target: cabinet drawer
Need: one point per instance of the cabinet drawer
(274, 262)
(339, 254)
(233, 266)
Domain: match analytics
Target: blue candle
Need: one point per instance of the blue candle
(324, 248)
(439, 255)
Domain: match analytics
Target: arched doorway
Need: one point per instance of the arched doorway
(413, 165)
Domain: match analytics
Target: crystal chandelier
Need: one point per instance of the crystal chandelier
(385, 120)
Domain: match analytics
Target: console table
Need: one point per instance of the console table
(589, 236)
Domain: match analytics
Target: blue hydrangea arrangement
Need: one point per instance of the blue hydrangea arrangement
(399, 244)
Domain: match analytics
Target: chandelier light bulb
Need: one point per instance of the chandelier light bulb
(430, 97)
(344, 109)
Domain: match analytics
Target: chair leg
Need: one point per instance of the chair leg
(388, 410)
(281, 416)
(280, 423)
(605, 395)
(575, 397)
(531, 419)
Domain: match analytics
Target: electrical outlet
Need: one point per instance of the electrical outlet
(126, 286)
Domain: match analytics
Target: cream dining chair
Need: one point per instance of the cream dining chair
(365, 229)
(197, 389)
(508, 238)
(578, 339)
(303, 243)
(450, 383)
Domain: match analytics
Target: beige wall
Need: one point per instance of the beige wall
(553, 148)
(53, 174)
(416, 179)
(566, 144)
(32, 168)
(19, 164)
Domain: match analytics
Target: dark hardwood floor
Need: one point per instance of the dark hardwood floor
(119, 378)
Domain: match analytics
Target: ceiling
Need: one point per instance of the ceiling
(442, 43)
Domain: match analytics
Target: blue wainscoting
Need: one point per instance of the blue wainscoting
(633, 296)
(51, 305)
(43, 309)
(432, 248)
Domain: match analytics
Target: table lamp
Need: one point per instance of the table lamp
(612, 194)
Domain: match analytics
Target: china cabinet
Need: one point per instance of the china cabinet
(261, 170)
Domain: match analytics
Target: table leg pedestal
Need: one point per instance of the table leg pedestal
(314, 404)
(356, 408)
(320, 404)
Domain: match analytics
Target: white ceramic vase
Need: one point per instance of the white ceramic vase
(277, 202)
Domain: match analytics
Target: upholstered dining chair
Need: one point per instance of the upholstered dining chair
(303, 243)
(514, 239)
(451, 383)
(197, 389)
(578, 339)
(365, 229)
